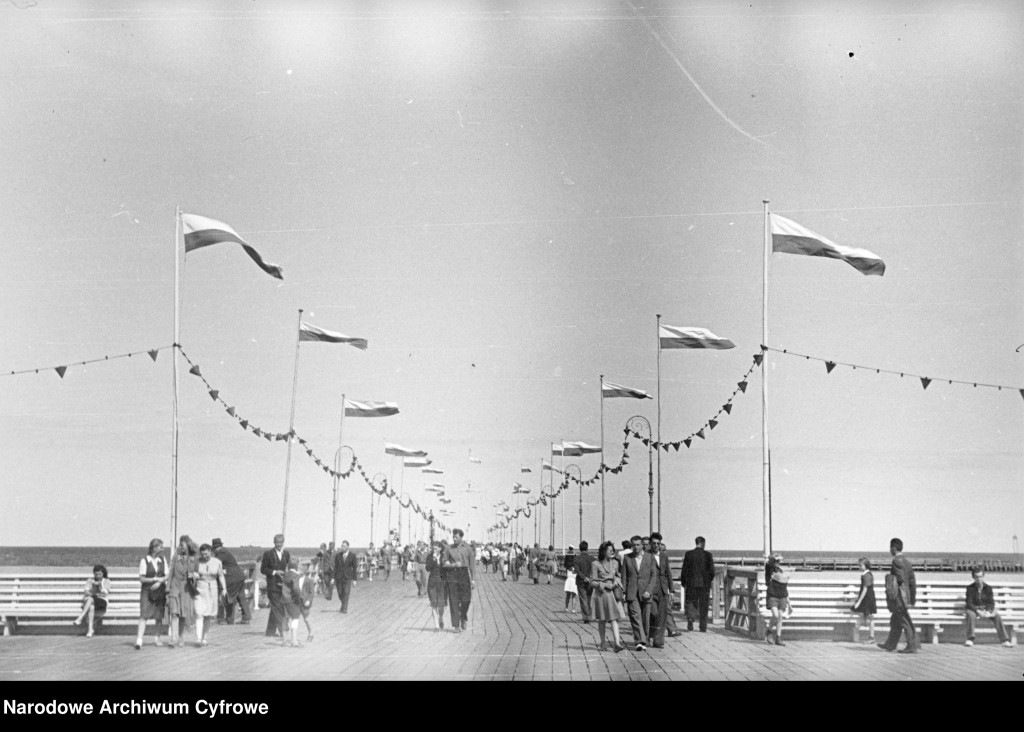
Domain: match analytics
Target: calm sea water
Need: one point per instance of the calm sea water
(129, 556)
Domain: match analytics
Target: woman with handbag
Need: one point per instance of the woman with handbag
(153, 595)
(181, 590)
(604, 579)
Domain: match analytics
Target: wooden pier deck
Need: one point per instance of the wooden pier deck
(518, 631)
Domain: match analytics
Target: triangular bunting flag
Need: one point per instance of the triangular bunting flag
(727, 408)
(1021, 393)
(743, 386)
(231, 411)
(925, 381)
(758, 357)
(267, 435)
(195, 370)
(665, 447)
(154, 354)
(257, 431)
(244, 423)
(60, 371)
(700, 433)
(214, 394)
(687, 441)
(676, 446)
(712, 423)
(829, 365)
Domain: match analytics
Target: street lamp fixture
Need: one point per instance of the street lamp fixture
(634, 423)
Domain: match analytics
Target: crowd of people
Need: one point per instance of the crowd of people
(200, 586)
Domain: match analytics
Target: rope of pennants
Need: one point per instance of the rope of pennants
(153, 353)
(354, 466)
(741, 388)
(925, 380)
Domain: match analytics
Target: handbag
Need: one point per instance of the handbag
(158, 594)
(191, 587)
(617, 592)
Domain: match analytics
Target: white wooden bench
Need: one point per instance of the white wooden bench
(49, 599)
(823, 605)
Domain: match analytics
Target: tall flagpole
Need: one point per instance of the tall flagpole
(291, 425)
(337, 478)
(658, 320)
(764, 392)
(174, 379)
(601, 379)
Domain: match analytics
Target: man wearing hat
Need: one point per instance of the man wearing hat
(235, 577)
(696, 577)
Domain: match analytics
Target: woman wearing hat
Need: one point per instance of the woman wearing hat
(778, 597)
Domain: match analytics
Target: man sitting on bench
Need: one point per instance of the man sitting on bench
(981, 604)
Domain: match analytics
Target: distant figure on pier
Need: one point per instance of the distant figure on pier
(777, 579)
(696, 577)
(273, 566)
(386, 554)
(420, 568)
(406, 560)
(604, 578)
(534, 566)
(900, 596)
(234, 575)
(153, 595)
(327, 571)
(94, 599)
(627, 549)
(437, 589)
(980, 603)
(571, 593)
(866, 605)
(583, 564)
(458, 561)
(550, 562)
(638, 581)
(180, 607)
(346, 573)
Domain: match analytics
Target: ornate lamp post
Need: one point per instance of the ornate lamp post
(337, 485)
(579, 473)
(374, 481)
(639, 421)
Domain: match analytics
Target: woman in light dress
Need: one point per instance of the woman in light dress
(211, 585)
(94, 599)
(604, 576)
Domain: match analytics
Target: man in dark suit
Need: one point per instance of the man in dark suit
(981, 603)
(582, 565)
(346, 572)
(697, 576)
(639, 580)
(661, 604)
(273, 567)
(901, 602)
(234, 575)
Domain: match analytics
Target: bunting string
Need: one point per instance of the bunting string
(830, 364)
(152, 352)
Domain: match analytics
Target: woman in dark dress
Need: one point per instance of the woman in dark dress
(866, 604)
(437, 591)
(153, 595)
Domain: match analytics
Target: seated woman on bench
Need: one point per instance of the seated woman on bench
(94, 601)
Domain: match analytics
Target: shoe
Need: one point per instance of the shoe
(244, 622)
(671, 634)
(640, 647)
(909, 649)
(440, 623)
(778, 641)
(768, 638)
(76, 622)
(689, 625)
(159, 643)
(89, 634)
(138, 644)
(969, 642)
(586, 621)
(619, 647)
(603, 646)
(658, 645)
(703, 630)
(296, 644)
(1007, 644)
(885, 647)
(181, 644)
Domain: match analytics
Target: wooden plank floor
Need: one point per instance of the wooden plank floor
(517, 631)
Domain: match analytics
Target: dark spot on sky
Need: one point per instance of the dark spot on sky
(851, 54)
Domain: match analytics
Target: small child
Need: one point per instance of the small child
(297, 593)
(865, 604)
(571, 592)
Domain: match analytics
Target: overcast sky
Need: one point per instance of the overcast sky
(500, 197)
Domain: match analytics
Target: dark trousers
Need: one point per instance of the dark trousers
(697, 606)
(584, 592)
(460, 594)
(227, 607)
(659, 609)
(971, 620)
(328, 586)
(639, 618)
(278, 619)
(900, 623)
(344, 590)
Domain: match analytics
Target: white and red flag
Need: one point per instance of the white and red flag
(792, 238)
(369, 409)
(610, 390)
(399, 451)
(201, 231)
(672, 336)
(308, 332)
